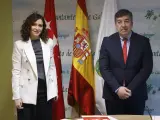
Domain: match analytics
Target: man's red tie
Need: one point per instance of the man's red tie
(125, 50)
(124, 54)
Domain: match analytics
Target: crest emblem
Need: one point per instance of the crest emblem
(81, 46)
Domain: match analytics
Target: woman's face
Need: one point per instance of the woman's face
(36, 29)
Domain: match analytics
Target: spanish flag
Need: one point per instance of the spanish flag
(81, 87)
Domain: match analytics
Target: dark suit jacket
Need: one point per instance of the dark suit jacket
(136, 70)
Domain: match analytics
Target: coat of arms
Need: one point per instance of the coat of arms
(81, 46)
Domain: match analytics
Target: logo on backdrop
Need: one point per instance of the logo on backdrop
(97, 68)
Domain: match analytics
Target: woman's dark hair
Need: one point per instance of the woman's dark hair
(26, 27)
(123, 12)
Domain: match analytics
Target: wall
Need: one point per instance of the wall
(6, 40)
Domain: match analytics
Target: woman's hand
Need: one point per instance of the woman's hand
(18, 103)
(55, 98)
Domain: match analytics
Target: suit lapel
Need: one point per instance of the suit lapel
(131, 48)
(46, 55)
(31, 56)
(118, 48)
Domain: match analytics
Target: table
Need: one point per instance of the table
(127, 117)
(132, 117)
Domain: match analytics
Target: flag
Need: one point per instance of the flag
(107, 27)
(81, 85)
(49, 15)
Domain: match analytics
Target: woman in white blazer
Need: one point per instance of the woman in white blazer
(34, 80)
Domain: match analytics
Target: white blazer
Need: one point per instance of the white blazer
(24, 71)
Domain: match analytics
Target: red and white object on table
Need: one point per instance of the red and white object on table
(97, 117)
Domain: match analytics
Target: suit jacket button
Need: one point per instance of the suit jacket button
(29, 79)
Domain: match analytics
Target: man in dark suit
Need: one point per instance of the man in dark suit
(125, 64)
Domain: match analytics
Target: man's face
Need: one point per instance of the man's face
(124, 25)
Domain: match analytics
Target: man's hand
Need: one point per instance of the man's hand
(123, 92)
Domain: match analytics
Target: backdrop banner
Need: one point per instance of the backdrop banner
(146, 18)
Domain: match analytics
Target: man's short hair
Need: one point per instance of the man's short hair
(123, 12)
